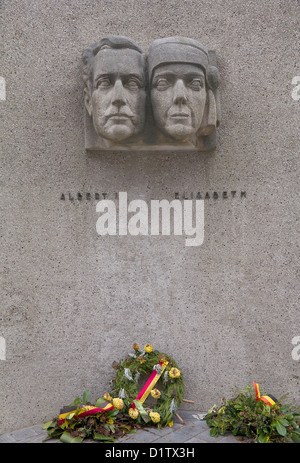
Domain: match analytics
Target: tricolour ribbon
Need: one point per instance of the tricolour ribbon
(154, 377)
(268, 399)
(84, 411)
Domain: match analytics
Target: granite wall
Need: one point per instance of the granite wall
(73, 301)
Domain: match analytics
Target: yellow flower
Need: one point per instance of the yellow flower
(118, 404)
(170, 424)
(107, 396)
(148, 348)
(155, 417)
(156, 393)
(174, 372)
(136, 346)
(133, 413)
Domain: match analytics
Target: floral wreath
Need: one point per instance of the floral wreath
(125, 386)
(127, 409)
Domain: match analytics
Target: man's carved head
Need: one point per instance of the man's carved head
(115, 94)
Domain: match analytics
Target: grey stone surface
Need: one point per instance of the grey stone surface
(161, 432)
(34, 434)
(24, 434)
(73, 301)
(7, 439)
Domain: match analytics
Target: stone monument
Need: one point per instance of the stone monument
(165, 100)
(145, 122)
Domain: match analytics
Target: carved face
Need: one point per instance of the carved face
(117, 103)
(178, 97)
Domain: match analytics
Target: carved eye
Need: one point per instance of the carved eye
(162, 84)
(103, 83)
(132, 84)
(196, 84)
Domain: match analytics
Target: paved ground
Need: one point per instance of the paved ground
(193, 431)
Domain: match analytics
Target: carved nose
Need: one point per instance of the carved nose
(179, 92)
(118, 96)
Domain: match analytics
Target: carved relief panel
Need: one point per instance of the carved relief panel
(165, 99)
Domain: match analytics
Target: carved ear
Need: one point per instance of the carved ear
(87, 100)
(209, 120)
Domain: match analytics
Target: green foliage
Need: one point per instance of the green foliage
(108, 425)
(102, 426)
(68, 439)
(79, 400)
(244, 415)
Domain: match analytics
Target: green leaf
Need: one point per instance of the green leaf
(99, 402)
(86, 396)
(66, 438)
(103, 438)
(127, 428)
(55, 433)
(263, 438)
(112, 413)
(112, 428)
(280, 428)
(49, 424)
(76, 401)
(283, 421)
(142, 411)
(214, 432)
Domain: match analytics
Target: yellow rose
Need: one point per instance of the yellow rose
(155, 417)
(118, 404)
(136, 346)
(133, 413)
(148, 348)
(174, 372)
(107, 396)
(156, 393)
